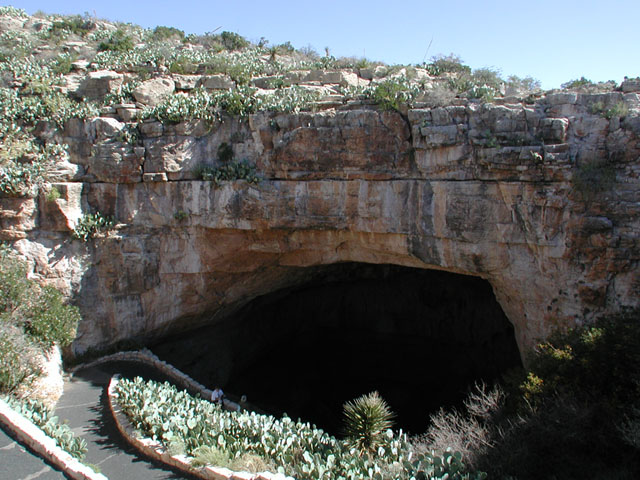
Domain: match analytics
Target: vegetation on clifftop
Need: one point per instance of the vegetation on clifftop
(46, 60)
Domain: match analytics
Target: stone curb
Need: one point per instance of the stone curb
(147, 357)
(155, 450)
(46, 447)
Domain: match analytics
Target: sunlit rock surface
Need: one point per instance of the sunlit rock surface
(542, 200)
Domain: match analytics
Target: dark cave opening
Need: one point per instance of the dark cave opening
(421, 338)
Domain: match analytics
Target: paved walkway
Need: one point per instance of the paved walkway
(18, 463)
(83, 406)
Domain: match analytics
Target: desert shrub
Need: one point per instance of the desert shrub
(161, 34)
(124, 94)
(629, 428)
(483, 83)
(40, 312)
(74, 24)
(90, 224)
(183, 65)
(50, 320)
(20, 179)
(210, 455)
(470, 431)
(619, 109)
(394, 93)
(577, 83)
(284, 48)
(241, 101)
(442, 64)
(179, 107)
(15, 45)
(593, 177)
(233, 41)
(32, 319)
(526, 84)
(63, 63)
(119, 41)
(20, 363)
(439, 96)
(252, 463)
(228, 172)
(572, 415)
(52, 194)
(563, 438)
(366, 421)
(599, 362)
(225, 152)
(208, 40)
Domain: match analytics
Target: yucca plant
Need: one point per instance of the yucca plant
(366, 421)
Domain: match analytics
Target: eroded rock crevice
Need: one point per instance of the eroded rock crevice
(419, 337)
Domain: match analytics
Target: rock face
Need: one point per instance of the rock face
(541, 200)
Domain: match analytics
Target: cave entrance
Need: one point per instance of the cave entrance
(421, 338)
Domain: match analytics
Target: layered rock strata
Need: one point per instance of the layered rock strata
(541, 199)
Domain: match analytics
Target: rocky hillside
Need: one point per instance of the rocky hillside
(163, 180)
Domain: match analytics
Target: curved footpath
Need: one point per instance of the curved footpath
(83, 407)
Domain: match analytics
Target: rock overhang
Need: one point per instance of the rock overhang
(479, 189)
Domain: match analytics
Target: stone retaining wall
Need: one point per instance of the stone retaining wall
(148, 358)
(46, 447)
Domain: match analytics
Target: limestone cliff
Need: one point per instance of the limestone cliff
(537, 194)
(518, 194)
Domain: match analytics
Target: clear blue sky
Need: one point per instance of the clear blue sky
(553, 41)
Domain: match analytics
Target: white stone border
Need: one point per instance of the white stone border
(46, 447)
(155, 450)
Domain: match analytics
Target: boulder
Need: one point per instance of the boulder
(631, 85)
(217, 82)
(186, 82)
(153, 92)
(97, 84)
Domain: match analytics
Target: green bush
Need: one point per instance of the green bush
(591, 178)
(619, 109)
(573, 415)
(394, 94)
(18, 179)
(210, 455)
(32, 319)
(183, 65)
(526, 84)
(161, 34)
(72, 24)
(446, 64)
(578, 83)
(90, 224)
(600, 362)
(118, 42)
(228, 172)
(233, 41)
(39, 311)
(50, 320)
(20, 365)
